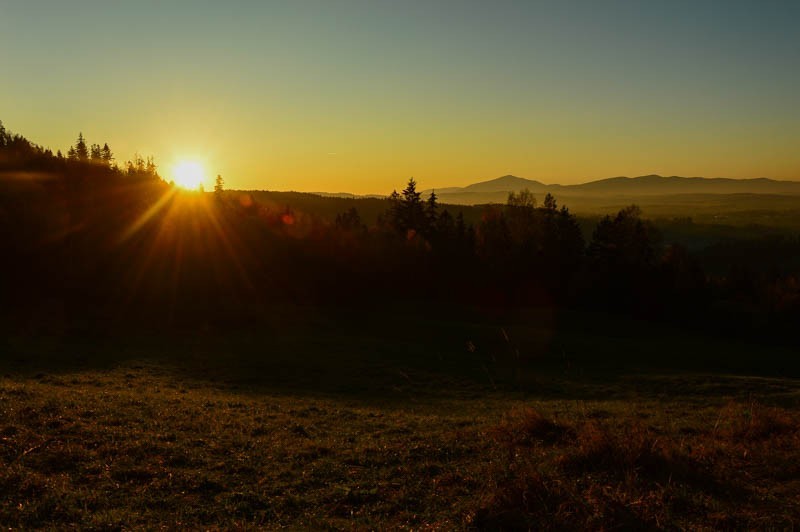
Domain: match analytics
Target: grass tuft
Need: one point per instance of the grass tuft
(526, 426)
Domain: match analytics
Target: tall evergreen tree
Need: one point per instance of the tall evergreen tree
(219, 186)
(412, 211)
(81, 151)
(106, 154)
(431, 211)
(95, 153)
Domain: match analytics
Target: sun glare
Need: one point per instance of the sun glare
(188, 174)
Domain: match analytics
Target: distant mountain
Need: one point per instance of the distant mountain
(504, 184)
(496, 190)
(656, 184)
(346, 195)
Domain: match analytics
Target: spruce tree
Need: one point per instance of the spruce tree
(431, 211)
(412, 211)
(106, 154)
(95, 153)
(81, 151)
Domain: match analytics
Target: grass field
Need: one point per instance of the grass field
(377, 423)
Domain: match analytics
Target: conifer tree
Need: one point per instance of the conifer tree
(106, 154)
(81, 151)
(95, 153)
(393, 213)
(412, 211)
(219, 187)
(431, 211)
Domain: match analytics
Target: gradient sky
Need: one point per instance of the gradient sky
(357, 96)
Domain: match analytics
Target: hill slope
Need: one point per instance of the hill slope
(496, 190)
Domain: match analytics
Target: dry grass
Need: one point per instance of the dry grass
(139, 447)
(623, 474)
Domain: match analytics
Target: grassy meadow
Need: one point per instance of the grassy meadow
(352, 420)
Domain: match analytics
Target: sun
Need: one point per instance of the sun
(188, 174)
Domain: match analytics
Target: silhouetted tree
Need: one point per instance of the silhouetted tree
(412, 212)
(522, 199)
(550, 202)
(622, 261)
(106, 155)
(407, 213)
(95, 153)
(219, 187)
(431, 211)
(624, 240)
(350, 221)
(150, 167)
(520, 223)
(81, 151)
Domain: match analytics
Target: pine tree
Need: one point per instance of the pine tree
(95, 153)
(393, 213)
(81, 151)
(219, 187)
(431, 211)
(412, 211)
(106, 154)
(72, 155)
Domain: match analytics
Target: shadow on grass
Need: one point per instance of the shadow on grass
(407, 354)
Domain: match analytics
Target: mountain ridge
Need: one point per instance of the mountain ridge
(620, 186)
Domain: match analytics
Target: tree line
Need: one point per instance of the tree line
(223, 253)
(89, 159)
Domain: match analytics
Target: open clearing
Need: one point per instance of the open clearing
(201, 438)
